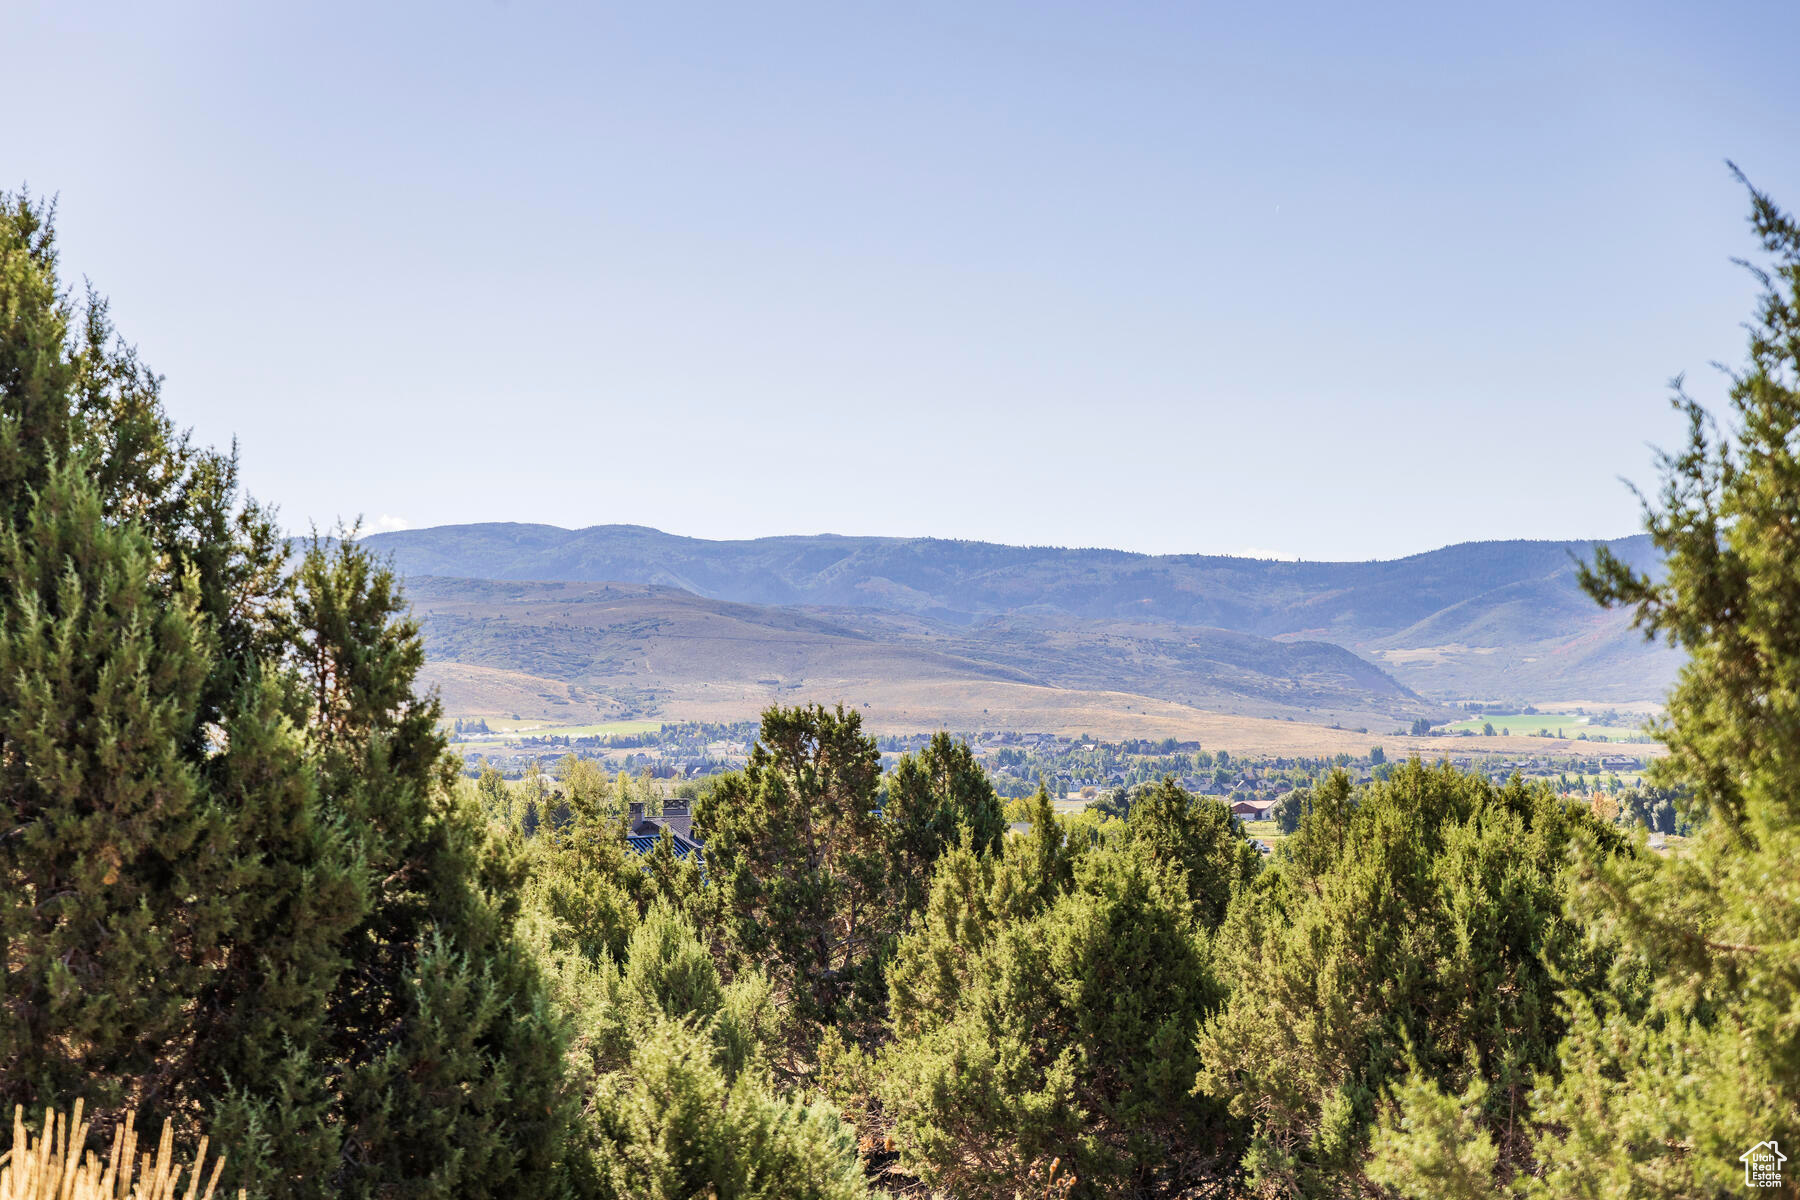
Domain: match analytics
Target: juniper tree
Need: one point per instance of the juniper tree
(667, 877)
(797, 860)
(586, 789)
(584, 888)
(234, 881)
(1197, 839)
(1043, 1007)
(1691, 1057)
(1420, 916)
(173, 891)
(676, 1064)
(494, 795)
(673, 1124)
(934, 799)
(113, 853)
(451, 1078)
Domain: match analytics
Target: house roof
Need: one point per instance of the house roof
(645, 831)
(643, 843)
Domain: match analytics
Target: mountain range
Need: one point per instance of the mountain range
(746, 621)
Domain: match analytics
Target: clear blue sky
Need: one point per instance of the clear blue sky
(1328, 279)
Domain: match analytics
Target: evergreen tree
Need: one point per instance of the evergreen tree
(112, 850)
(1197, 840)
(1038, 1016)
(1047, 844)
(934, 799)
(1419, 916)
(451, 1052)
(671, 879)
(1691, 1058)
(302, 886)
(585, 788)
(585, 888)
(235, 881)
(676, 1063)
(667, 974)
(674, 1126)
(494, 796)
(797, 858)
(174, 892)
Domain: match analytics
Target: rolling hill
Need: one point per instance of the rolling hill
(1492, 620)
(596, 651)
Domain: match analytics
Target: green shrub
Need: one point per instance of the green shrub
(1037, 1019)
(671, 1124)
(1422, 916)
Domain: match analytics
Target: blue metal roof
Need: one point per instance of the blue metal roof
(643, 843)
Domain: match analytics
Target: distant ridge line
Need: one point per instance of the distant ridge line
(1040, 547)
(1474, 619)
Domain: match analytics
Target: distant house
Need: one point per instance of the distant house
(642, 837)
(642, 833)
(679, 818)
(644, 843)
(1256, 810)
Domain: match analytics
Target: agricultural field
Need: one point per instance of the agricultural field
(1607, 726)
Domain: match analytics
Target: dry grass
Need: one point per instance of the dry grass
(52, 1165)
(916, 706)
(565, 651)
(473, 691)
(905, 705)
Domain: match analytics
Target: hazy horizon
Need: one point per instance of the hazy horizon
(369, 531)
